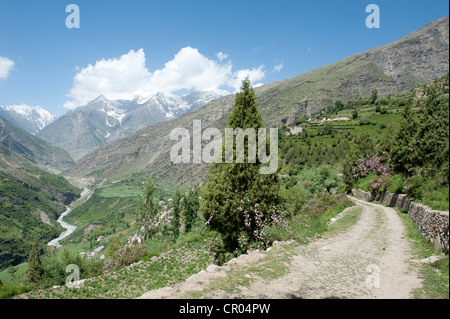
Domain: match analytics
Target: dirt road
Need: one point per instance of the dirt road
(369, 260)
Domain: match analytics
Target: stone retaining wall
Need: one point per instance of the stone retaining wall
(433, 224)
(362, 194)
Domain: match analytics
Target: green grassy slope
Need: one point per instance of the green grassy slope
(31, 148)
(31, 200)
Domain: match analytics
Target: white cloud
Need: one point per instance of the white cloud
(221, 56)
(190, 70)
(277, 68)
(120, 78)
(254, 75)
(127, 77)
(6, 66)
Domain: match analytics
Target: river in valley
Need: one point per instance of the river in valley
(69, 227)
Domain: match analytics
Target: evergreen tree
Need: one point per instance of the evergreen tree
(363, 146)
(374, 96)
(148, 209)
(35, 272)
(229, 184)
(400, 142)
(190, 206)
(433, 129)
(176, 205)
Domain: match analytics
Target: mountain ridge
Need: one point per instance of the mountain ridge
(101, 121)
(32, 149)
(32, 119)
(280, 103)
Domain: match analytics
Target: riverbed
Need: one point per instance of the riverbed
(69, 227)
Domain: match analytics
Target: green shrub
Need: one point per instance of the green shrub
(294, 197)
(8, 291)
(428, 187)
(113, 246)
(126, 256)
(365, 182)
(364, 121)
(149, 257)
(56, 263)
(395, 184)
(320, 179)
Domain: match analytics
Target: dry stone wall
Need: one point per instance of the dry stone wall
(433, 224)
(362, 194)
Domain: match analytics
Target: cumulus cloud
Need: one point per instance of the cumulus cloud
(120, 78)
(253, 74)
(278, 68)
(6, 66)
(190, 70)
(128, 77)
(221, 56)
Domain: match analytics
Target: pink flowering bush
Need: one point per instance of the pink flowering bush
(378, 165)
(256, 229)
(254, 233)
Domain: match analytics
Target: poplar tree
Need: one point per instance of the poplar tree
(148, 209)
(190, 205)
(176, 205)
(229, 184)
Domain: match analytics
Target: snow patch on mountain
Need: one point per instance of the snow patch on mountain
(30, 118)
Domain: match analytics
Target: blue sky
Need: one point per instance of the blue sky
(175, 45)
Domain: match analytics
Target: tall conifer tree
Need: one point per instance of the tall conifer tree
(35, 271)
(229, 184)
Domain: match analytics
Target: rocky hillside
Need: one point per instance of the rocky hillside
(407, 63)
(14, 140)
(414, 60)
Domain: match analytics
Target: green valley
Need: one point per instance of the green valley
(376, 121)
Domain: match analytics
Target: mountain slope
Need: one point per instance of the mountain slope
(32, 119)
(413, 60)
(103, 121)
(31, 200)
(31, 148)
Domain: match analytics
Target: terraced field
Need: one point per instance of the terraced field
(168, 269)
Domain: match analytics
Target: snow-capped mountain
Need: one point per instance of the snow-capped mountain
(102, 121)
(32, 119)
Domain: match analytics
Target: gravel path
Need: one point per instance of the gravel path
(369, 260)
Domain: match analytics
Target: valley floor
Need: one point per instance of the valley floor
(371, 259)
